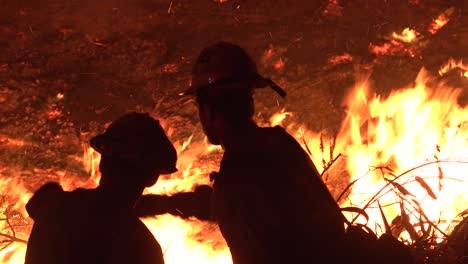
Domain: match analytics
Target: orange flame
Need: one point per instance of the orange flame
(17, 192)
(453, 64)
(386, 140)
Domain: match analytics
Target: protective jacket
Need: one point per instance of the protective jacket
(272, 206)
(83, 227)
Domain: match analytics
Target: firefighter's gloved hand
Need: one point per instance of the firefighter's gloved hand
(44, 199)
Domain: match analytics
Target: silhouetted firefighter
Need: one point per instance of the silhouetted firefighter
(99, 225)
(268, 198)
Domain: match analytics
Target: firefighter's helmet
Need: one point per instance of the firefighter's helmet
(138, 136)
(223, 65)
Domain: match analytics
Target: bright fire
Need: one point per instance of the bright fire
(408, 151)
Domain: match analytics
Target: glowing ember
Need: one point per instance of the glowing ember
(279, 64)
(273, 56)
(391, 48)
(278, 118)
(440, 21)
(407, 35)
(54, 113)
(333, 8)
(334, 60)
(437, 24)
(5, 140)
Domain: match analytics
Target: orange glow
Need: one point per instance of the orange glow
(273, 56)
(386, 139)
(278, 118)
(407, 35)
(453, 64)
(178, 239)
(334, 60)
(333, 8)
(191, 241)
(440, 21)
(54, 113)
(12, 141)
(437, 24)
(14, 252)
(279, 64)
(391, 48)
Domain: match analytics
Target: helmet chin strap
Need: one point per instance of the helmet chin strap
(276, 88)
(267, 82)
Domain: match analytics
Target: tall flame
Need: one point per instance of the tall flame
(411, 147)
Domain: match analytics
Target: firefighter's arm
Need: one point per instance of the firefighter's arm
(183, 204)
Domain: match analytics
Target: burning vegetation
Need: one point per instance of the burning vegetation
(376, 95)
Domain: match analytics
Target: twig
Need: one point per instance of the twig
(423, 214)
(388, 230)
(346, 189)
(7, 245)
(330, 164)
(11, 227)
(372, 200)
(410, 181)
(13, 238)
(306, 145)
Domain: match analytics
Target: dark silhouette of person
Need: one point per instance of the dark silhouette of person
(99, 225)
(268, 198)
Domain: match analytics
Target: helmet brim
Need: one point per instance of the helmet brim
(168, 170)
(257, 82)
(98, 143)
(122, 140)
